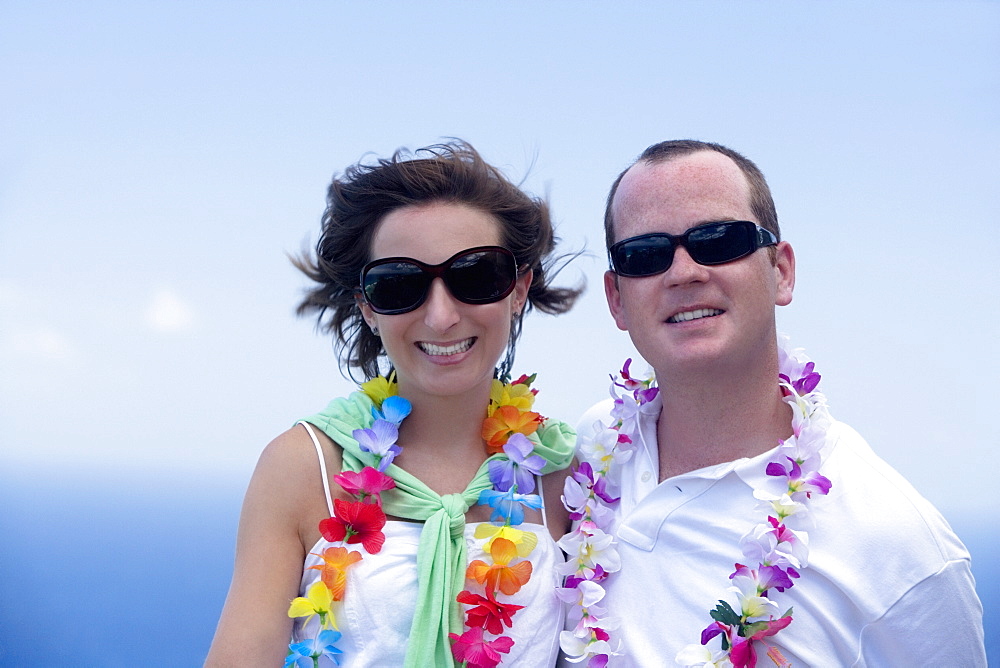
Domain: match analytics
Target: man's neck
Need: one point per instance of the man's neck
(711, 418)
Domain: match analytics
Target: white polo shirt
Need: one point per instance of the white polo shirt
(888, 582)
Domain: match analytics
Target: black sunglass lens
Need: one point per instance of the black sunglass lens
(395, 285)
(644, 257)
(718, 244)
(481, 277)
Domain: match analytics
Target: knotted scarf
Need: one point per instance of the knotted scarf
(441, 557)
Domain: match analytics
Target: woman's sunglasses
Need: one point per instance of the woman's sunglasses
(480, 275)
(708, 244)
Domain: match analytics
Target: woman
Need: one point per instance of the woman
(428, 265)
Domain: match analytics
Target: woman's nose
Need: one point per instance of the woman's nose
(440, 308)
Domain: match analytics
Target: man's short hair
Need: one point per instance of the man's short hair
(761, 202)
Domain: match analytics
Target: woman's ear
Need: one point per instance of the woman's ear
(521, 290)
(366, 312)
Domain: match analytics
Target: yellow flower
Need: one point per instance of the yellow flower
(524, 541)
(517, 395)
(317, 601)
(379, 388)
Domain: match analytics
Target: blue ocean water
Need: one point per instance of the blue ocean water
(112, 572)
(125, 572)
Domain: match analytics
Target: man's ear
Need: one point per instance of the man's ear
(614, 296)
(784, 273)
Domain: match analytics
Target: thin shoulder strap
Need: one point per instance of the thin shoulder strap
(322, 465)
(541, 493)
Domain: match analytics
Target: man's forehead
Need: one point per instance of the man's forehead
(692, 188)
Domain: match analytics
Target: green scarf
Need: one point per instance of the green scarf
(441, 559)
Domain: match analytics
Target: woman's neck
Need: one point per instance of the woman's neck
(448, 424)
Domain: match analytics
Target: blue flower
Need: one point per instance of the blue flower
(395, 409)
(303, 653)
(508, 507)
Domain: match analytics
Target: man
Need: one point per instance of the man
(726, 548)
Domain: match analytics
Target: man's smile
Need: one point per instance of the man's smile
(697, 313)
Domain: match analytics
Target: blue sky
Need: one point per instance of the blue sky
(161, 159)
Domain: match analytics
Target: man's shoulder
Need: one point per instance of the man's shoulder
(598, 413)
(875, 498)
(852, 460)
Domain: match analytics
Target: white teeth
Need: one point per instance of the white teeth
(434, 349)
(695, 314)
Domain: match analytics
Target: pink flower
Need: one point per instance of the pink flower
(368, 482)
(743, 654)
(476, 652)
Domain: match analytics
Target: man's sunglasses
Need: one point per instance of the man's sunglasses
(708, 244)
(480, 275)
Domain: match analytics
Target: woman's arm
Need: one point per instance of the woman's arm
(556, 515)
(282, 507)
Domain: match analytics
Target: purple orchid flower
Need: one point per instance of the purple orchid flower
(519, 469)
(628, 382)
(599, 660)
(773, 577)
(805, 383)
(712, 630)
(767, 577)
(814, 482)
(811, 482)
(585, 475)
(645, 396)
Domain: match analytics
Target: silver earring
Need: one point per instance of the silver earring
(374, 330)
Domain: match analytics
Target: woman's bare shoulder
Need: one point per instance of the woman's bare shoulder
(281, 510)
(293, 452)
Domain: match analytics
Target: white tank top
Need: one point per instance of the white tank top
(381, 594)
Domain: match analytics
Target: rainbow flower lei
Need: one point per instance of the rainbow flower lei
(777, 546)
(509, 422)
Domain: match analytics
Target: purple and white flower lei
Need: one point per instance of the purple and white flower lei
(778, 546)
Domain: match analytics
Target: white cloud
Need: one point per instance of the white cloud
(41, 342)
(22, 336)
(169, 314)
